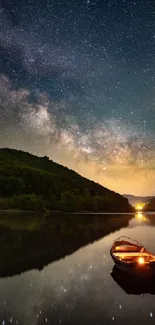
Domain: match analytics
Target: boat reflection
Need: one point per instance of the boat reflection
(134, 285)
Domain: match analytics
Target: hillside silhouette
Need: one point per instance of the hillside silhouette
(28, 182)
(150, 206)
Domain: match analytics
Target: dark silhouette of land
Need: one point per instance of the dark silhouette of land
(28, 182)
(150, 206)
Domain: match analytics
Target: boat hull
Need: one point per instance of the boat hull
(134, 268)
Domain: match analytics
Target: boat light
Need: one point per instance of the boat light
(141, 260)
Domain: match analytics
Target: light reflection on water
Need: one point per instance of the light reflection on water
(79, 289)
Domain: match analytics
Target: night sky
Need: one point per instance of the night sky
(77, 83)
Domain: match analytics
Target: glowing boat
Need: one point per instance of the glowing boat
(131, 256)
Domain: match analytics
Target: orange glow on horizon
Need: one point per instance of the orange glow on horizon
(140, 206)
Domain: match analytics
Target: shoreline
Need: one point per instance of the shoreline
(66, 212)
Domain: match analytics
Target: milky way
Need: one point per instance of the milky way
(77, 83)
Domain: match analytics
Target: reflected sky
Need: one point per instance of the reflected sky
(79, 288)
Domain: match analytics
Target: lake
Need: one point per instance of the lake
(81, 288)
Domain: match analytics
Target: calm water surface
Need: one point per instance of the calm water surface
(80, 289)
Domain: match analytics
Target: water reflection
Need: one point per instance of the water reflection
(141, 217)
(134, 285)
(79, 288)
(31, 242)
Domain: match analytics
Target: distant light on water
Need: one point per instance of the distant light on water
(140, 216)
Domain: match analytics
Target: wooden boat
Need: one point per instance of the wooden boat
(131, 256)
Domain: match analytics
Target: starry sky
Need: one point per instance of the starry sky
(77, 83)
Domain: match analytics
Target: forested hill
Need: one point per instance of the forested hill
(36, 183)
(150, 206)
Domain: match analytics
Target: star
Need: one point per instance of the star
(77, 84)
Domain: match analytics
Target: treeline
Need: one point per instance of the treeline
(34, 183)
(150, 206)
